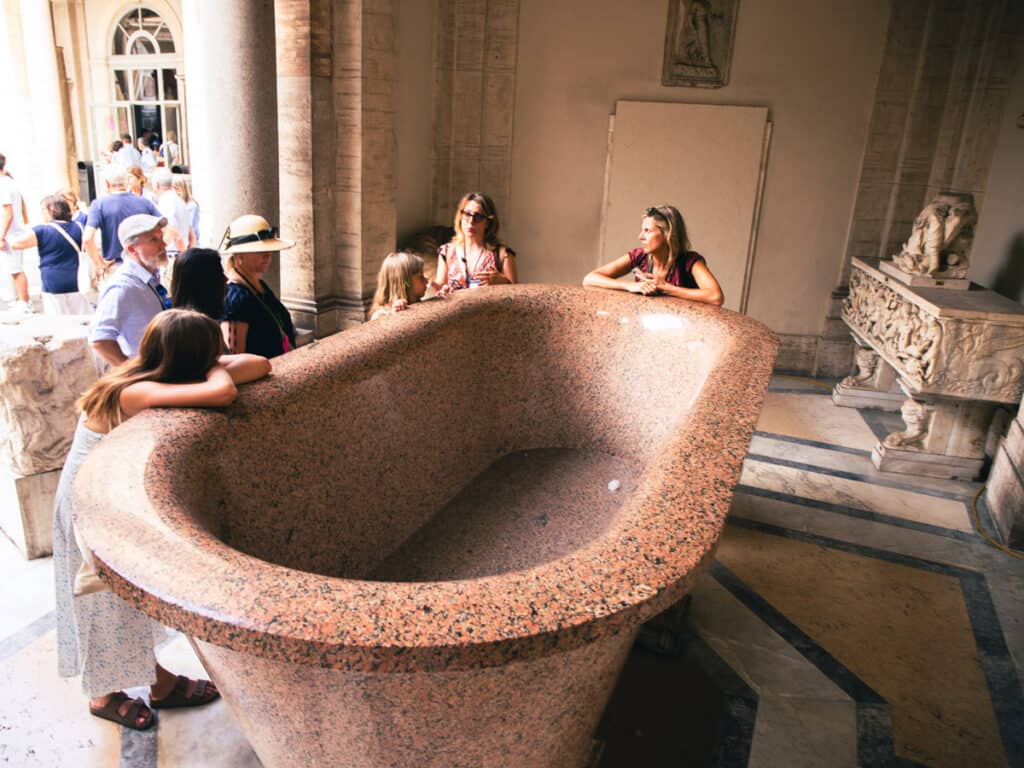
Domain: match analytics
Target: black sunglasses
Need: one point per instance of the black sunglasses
(263, 234)
(655, 212)
(476, 216)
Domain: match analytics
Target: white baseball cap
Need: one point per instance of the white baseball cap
(138, 224)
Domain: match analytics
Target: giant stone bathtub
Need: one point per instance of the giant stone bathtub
(402, 549)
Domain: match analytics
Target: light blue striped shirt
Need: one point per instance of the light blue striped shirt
(128, 303)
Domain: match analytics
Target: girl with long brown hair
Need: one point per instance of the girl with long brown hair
(99, 635)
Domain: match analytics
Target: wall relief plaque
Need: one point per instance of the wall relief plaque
(698, 42)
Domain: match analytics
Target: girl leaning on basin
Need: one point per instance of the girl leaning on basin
(663, 264)
(254, 319)
(475, 256)
(400, 283)
(99, 635)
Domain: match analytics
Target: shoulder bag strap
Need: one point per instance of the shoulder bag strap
(71, 241)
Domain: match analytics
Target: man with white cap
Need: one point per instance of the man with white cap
(134, 296)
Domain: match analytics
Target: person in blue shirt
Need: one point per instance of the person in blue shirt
(106, 215)
(134, 295)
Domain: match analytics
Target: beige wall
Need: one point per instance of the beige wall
(413, 116)
(813, 63)
(997, 259)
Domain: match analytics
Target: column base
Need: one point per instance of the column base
(906, 462)
(866, 397)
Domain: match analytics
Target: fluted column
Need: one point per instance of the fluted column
(232, 112)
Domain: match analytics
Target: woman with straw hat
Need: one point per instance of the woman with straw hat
(255, 320)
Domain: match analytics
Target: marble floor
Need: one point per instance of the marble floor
(851, 618)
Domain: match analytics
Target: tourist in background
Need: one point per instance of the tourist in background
(169, 151)
(198, 282)
(663, 264)
(254, 319)
(100, 636)
(182, 186)
(475, 256)
(178, 233)
(147, 156)
(127, 155)
(59, 241)
(106, 215)
(13, 224)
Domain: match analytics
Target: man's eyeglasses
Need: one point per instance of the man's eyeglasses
(475, 216)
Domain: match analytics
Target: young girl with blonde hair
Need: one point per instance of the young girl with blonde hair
(400, 282)
(99, 635)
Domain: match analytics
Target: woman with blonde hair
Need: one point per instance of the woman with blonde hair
(475, 256)
(254, 319)
(400, 282)
(181, 185)
(99, 635)
(663, 264)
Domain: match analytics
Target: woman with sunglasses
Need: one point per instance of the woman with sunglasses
(475, 256)
(663, 264)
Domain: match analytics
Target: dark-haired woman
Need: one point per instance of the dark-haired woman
(663, 264)
(475, 256)
(199, 281)
(99, 635)
(59, 241)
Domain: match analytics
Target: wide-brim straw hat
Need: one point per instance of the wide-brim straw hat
(252, 234)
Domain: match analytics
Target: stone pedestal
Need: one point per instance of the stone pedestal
(943, 439)
(924, 281)
(1005, 491)
(874, 385)
(45, 365)
(954, 353)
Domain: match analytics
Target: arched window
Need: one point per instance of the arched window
(144, 66)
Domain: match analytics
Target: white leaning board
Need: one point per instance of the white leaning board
(706, 160)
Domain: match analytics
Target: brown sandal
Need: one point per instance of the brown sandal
(129, 719)
(179, 697)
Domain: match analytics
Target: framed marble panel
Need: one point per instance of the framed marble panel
(698, 42)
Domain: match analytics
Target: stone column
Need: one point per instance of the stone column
(232, 113)
(336, 81)
(475, 74)
(1005, 491)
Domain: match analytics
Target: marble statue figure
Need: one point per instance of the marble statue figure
(940, 243)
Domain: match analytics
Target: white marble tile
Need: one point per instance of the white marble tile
(207, 735)
(909, 505)
(45, 720)
(33, 597)
(804, 733)
(848, 462)
(815, 417)
(753, 650)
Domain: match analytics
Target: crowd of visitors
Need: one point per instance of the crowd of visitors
(218, 328)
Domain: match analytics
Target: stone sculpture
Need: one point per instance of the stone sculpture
(916, 416)
(940, 242)
(867, 362)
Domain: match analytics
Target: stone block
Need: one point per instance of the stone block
(45, 365)
(906, 462)
(26, 510)
(1004, 496)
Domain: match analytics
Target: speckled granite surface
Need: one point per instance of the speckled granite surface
(257, 528)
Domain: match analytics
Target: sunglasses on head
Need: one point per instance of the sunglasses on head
(263, 234)
(655, 212)
(475, 216)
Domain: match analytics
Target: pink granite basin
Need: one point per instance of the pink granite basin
(402, 548)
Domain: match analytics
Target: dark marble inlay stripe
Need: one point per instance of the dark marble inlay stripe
(860, 514)
(874, 723)
(741, 703)
(797, 391)
(24, 637)
(812, 443)
(1001, 676)
(885, 482)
